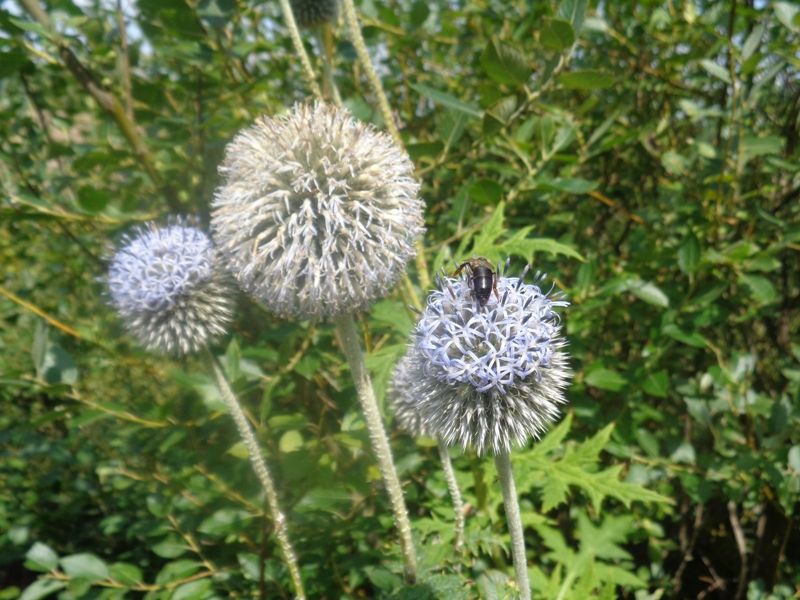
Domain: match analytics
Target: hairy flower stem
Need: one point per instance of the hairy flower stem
(297, 41)
(363, 56)
(325, 39)
(348, 339)
(503, 463)
(262, 472)
(455, 494)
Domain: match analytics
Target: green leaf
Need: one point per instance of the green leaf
(557, 34)
(194, 590)
(290, 441)
(657, 384)
(41, 588)
(92, 200)
(752, 146)
(504, 63)
(647, 291)
(716, 70)
(448, 100)
(674, 163)
(606, 379)
(570, 185)
(224, 521)
(572, 11)
(85, 566)
(126, 573)
(786, 13)
(177, 570)
(589, 79)
(527, 247)
(41, 557)
(761, 289)
(689, 254)
(485, 191)
(690, 339)
(752, 41)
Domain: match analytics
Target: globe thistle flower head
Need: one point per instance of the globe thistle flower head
(318, 213)
(490, 376)
(167, 286)
(310, 13)
(402, 394)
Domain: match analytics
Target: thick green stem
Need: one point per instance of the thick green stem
(262, 472)
(348, 339)
(325, 39)
(297, 41)
(511, 502)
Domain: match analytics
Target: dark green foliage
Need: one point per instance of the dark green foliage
(645, 155)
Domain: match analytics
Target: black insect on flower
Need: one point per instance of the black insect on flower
(482, 278)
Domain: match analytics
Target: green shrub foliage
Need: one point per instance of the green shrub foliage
(645, 155)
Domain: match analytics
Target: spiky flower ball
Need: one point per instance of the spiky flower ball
(168, 287)
(402, 394)
(493, 376)
(318, 213)
(310, 13)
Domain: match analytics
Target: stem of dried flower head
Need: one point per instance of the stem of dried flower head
(511, 502)
(297, 41)
(348, 340)
(262, 472)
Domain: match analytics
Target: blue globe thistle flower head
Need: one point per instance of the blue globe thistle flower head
(402, 395)
(167, 285)
(492, 376)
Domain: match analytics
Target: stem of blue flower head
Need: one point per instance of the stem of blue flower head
(261, 471)
(455, 495)
(504, 472)
(348, 339)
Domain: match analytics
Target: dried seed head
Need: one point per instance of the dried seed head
(490, 377)
(310, 13)
(168, 287)
(318, 213)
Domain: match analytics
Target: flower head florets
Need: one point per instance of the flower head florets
(318, 213)
(167, 286)
(488, 376)
(309, 13)
(403, 394)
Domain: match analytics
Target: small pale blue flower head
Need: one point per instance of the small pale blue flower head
(490, 376)
(168, 287)
(403, 394)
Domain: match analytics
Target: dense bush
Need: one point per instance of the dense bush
(644, 154)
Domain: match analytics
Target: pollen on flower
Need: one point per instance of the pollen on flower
(317, 214)
(488, 377)
(167, 286)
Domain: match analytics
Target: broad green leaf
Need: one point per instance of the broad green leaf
(126, 573)
(752, 41)
(85, 566)
(570, 185)
(557, 34)
(177, 570)
(504, 63)
(290, 441)
(606, 379)
(690, 339)
(787, 13)
(485, 191)
(42, 588)
(586, 80)
(674, 163)
(716, 70)
(41, 557)
(761, 289)
(194, 590)
(648, 292)
(572, 11)
(448, 100)
(657, 384)
(689, 254)
(752, 146)
(92, 200)
(224, 521)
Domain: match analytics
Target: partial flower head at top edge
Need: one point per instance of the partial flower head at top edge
(310, 13)
(169, 289)
(318, 213)
(493, 376)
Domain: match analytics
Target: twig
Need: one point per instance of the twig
(741, 545)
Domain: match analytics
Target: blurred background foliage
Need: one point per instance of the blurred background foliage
(645, 154)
